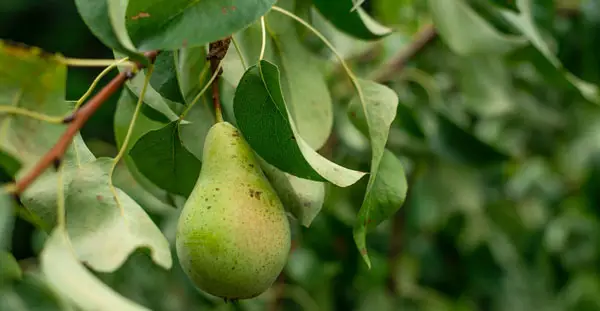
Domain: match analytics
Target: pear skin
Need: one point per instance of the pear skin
(233, 236)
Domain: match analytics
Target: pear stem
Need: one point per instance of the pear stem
(216, 52)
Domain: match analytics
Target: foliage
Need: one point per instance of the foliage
(432, 155)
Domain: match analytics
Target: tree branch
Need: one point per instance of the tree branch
(391, 68)
(76, 122)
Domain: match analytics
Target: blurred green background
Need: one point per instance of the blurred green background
(520, 235)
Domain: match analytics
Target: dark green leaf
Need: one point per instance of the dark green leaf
(171, 166)
(164, 77)
(194, 71)
(9, 268)
(10, 165)
(81, 286)
(467, 33)
(32, 292)
(458, 144)
(262, 117)
(353, 22)
(169, 25)
(6, 220)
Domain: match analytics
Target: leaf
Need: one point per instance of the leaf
(302, 197)
(33, 80)
(486, 85)
(387, 185)
(99, 16)
(524, 21)
(101, 236)
(155, 25)
(152, 98)
(263, 119)
(356, 23)
(32, 292)
(467, 33)
(194, 71)
(454, 142)
(123, 114)
(58, 261)
(10, 165)
(305, 88)
(9, 268)
(6, 220)
(164, 77)
(171, 166)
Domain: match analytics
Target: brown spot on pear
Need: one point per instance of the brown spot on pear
(230, 246)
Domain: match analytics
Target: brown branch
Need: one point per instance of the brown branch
(391, 68)
(76, 122)
(216, 52)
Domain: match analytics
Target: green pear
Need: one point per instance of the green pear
(233, 235)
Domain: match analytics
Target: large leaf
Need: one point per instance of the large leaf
(263, 118)
(101, 236)
(304, 87)
(467, 33)
(524, 21)
(171, 166)
(70, 278)
(387, 185)
(99, 17)
(193, 71)
(32, 80)
(169, 25)
(353, 22)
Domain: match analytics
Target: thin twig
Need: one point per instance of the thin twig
(397, 63)
(76, 122)
(216, 52)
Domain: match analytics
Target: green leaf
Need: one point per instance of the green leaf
(6, 220)
(467, 33)
(124, 180)
(171, 166)
(305, 88)
(486, 85)
(387, 185)
(58, 261)
(164, 77)
(10, 165)
(9, 268)
(454, 142)
(101, 17)
(169, 25)
(32, 292)
(302, 197)
(101, 236)
(356, 23)
(194, 71)
(154, 100)
(33, 80)
(263, 119)
(143, 125)
(524, 21)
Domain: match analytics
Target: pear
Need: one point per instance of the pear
(233, 235)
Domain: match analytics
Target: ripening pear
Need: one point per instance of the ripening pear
(233, 236)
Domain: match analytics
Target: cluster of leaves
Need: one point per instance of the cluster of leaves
(495, 125)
